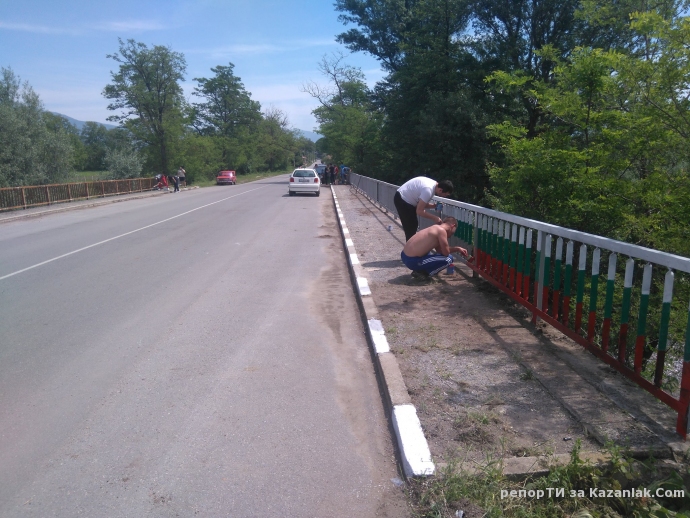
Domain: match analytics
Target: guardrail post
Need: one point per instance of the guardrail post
(625, 309)
(69, 191)
(474, 229)
(557, 266)
(593, 294)
(663, 327)
(567, 282)
(684, 399)
(538, 274)
(513, 257)
(580, 287)
(48, 194)
(642, 318)
(23, 198)
(608, 307)
(86, 185)
(546, 275)
(527, 266)
(102, 189)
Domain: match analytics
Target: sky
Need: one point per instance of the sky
(60, 47)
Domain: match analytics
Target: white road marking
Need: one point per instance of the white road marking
(118, 237)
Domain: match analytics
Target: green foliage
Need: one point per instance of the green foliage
(610, 158)
(123, 163)
(201, 157)
(455, 489)
(228, 107)
(349, 122)
(35, 146)
(146, 89)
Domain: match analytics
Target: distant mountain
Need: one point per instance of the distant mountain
(310, 135)
(80, 124)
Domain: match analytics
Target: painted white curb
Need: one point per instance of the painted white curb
(363, 287)
(378, 336)
(414, 449)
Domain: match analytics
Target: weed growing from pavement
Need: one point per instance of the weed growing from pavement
(528, 375)
(479, 493)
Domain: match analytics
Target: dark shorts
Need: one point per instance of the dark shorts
(431, 264)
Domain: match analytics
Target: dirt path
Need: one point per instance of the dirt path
(485, 381)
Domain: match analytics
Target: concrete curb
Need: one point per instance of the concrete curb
(412, 445)
(99, 201)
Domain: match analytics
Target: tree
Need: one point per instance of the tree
(613, 158)
(228, 115)
(275, 140)
(228, 107)
(95, 139)
(147, 90)
(348, 120)
(123, 163)
(35, 147)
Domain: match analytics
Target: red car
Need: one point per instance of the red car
(226, 178)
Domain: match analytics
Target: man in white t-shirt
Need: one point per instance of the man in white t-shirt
(413, 198)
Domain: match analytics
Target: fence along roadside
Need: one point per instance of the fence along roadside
(638, 292)
(12, 198)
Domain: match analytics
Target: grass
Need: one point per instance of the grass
(528, 375)
(486, 492)
(85, 176)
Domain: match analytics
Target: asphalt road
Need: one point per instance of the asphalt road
(191, 354)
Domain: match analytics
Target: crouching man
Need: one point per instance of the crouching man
(416, 254)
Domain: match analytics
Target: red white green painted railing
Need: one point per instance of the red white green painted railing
(534, 263)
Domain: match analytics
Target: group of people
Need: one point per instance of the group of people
(333, 174)
(426, 252)
(164, 180)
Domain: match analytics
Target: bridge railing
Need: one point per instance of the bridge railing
(12, 198)
(630, 318)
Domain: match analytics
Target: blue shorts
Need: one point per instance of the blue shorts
(431, 264)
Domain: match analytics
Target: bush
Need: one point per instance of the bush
(123, 163)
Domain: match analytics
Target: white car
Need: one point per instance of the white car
(304, 180)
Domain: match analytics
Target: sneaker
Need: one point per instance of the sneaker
(419, 274)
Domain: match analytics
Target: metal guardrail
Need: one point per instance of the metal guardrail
(12, 198)
(525, 259)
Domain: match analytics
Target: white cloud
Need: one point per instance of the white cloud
(38, 29)
(121, 26)
(259, 48)
(131, 26)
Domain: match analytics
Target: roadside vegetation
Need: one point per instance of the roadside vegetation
(570, 112)
(158, 129)
(487, 492)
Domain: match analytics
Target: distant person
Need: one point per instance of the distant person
(182, 175)
(331, 174)
(343, 174)
(416, 254)
(412, 199)
(164, 182)
(176, 183)
(336, 174)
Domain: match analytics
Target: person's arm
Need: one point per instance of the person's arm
(421, 207)
(458, 250)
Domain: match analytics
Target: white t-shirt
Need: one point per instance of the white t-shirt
(420, 188)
